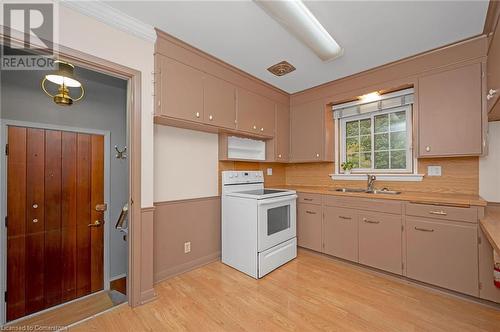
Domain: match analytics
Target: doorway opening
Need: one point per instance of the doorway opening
(65, 189)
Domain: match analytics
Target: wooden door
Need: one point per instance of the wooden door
(443, 253)
(450, 113)
(181, 90)
(309, 226)
(282, 135)
(55, 179)
(340, 233)
(306, 132)
(219, 102)
(380, 241)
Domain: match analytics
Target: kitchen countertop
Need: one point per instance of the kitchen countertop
(491, 226)
(410, 196)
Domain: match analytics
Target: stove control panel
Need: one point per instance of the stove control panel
(235, 177)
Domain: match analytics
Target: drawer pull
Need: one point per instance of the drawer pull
(370, 221)
(439, 213)
(423, 229)
(310, 212)
(308, 199)
(345, 218)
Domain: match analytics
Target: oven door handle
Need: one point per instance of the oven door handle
(270, 201)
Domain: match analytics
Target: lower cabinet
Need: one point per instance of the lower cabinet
(487, 288)
(443, 253)
(380, 237)
(309, 226)
(340, 233)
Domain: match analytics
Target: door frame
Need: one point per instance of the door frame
(4, 124)
(140, 236)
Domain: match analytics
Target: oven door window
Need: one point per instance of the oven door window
(278, 219)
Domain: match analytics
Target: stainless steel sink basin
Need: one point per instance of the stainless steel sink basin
(383, 191)
(351, 190)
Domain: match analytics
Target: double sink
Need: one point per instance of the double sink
(383, 191)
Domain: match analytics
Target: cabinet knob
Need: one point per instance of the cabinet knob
(35, 206)
(428, 148)
(210, 117)
(254, 127)
(491, 93)
(279, 156)
(262, 129)
(35, 221)
(197, 114)
(317, 155)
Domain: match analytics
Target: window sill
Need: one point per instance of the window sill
(380, 177)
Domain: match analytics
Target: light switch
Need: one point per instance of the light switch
(434, 170)
(269, 171)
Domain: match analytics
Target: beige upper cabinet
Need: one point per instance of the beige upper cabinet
(255, 113)
(493, 76)
(181, 90)
(311, 133)
(450, 116)
(282, 135)
(219, 102)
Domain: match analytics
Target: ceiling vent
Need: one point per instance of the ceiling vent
(281, 68)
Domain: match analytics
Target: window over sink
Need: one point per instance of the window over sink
(375, 136)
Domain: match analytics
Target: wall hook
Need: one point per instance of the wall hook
(121, 154)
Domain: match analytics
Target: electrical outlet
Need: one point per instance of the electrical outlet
(269, 171)
(434, 170)
(187, 247)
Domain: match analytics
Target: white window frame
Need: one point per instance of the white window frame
(410, 162)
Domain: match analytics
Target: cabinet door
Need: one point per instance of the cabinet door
(493, 72)
(340, 233)
(450, 113)
(255, 113)
(306, 132)
(282, 135)
(309, 226)
(181, 91)
(487, 291)
(219, 102)
(443, 253)
(380, 241)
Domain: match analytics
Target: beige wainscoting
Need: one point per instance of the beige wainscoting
(191, 220)
(146, 263)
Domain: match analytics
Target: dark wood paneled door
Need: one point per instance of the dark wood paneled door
(55, 233)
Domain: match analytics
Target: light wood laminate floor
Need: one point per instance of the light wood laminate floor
(311, 293)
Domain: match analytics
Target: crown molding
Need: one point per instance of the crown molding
(113, 17)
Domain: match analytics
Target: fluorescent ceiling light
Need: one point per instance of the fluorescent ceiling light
(300, 22)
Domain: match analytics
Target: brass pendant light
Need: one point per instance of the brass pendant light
(65, 78)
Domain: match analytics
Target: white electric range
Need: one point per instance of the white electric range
(258, 225)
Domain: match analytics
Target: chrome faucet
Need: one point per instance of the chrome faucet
(371, 181)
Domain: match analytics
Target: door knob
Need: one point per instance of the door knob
(101, 207)
(96, 223)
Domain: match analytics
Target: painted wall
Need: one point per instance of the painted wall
(489, 166)
(185, 164)
(88, 35)
(104, 108)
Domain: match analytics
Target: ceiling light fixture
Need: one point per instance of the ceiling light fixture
(299, 21)
(369, 97)
(64, 77)
(281, 68)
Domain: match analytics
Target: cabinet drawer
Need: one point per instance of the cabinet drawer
(340, 233)
(309, 198)
(443, 254)
(467, 214)
(309, 226)
(377, 205)
(380, 239)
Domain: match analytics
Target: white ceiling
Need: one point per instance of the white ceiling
(372, 33)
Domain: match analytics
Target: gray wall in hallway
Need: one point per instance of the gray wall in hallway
(103, 108)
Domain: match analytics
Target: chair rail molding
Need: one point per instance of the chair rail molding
(113, 17)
